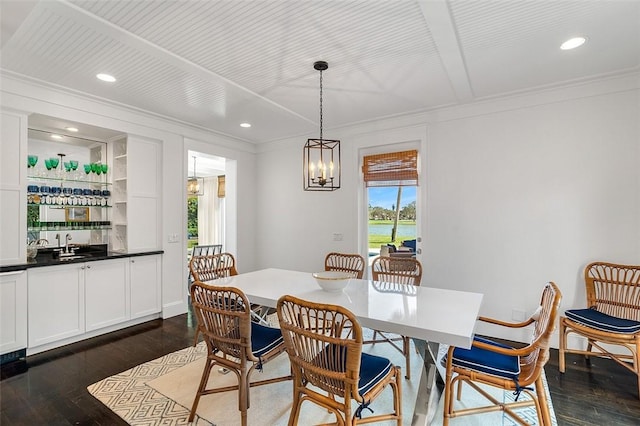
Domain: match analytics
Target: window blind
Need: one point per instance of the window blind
(391, 169)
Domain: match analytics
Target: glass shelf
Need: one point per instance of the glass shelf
(64, 206)
(69, 226)
(63, 179)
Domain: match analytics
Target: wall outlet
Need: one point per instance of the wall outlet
(518, 315)
(173, 238)
(337, 236)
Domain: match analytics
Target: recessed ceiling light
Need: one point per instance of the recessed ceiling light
(572, 43)
(106, 77)
(245, 124)
(56, 137)
(72, 129)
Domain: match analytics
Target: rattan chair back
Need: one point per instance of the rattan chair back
(210, 267)
(224, 319)
(399, 270)
(345, 262)
(613, 289)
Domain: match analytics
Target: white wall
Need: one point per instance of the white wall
(518, 191)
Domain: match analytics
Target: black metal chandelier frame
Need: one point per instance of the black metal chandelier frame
(321, 157)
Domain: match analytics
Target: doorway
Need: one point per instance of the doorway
(391, 213)
(206, 200)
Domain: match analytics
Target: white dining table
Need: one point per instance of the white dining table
(433, 315)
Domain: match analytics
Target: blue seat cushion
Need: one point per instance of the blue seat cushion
(372, 370)
(485, 361)
(409, 243)
(264, 338)
(594, 319)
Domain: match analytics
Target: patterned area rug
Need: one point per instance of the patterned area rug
(160, 392)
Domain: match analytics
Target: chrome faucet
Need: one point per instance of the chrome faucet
(58, 238)
(67, 247)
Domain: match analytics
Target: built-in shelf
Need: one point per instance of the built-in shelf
(62, 180)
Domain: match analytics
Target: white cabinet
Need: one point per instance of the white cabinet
(13, 190)
(67, 301)
(145, 275)
(106, 288)
(13, 311)
(56, 303)
(136, 194)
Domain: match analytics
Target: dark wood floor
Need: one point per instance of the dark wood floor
(50, 388)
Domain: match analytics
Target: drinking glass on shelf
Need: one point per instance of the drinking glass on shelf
(87, 169)
(47, 164)
(32, 160)
(54, 162)
(104, 168)
(74, 164)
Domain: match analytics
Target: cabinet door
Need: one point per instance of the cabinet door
(145, 285)
(56, 303)
(13, 311)
(106, 293)
(143, 194)
(13, 188)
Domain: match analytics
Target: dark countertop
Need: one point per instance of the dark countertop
(46, 257)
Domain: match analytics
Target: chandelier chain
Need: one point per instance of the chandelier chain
(320, 104)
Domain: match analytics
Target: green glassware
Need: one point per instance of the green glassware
(98, 170)
(94, 167)
(32, 160)
(74, 164)
(54, 162)
(87, 168)
(47, 163)
(104, 168)
(67, 166)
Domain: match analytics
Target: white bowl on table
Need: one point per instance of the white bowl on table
(332, 281)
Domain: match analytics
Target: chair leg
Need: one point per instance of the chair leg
(406, 347)
(636, 363)
(195, 339)
(589, 349)
(562, 346)
(397, 396)
(203, 384)
(243, 394)
(542, 402)
(295, 407)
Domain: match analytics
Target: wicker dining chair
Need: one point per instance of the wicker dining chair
(203, 250)
(210, 267)
(494, 364)
(612, 316)
(324, 344)
(233, 341)
(396, 270)
(345, 262)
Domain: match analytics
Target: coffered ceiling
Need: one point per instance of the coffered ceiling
(215, 64)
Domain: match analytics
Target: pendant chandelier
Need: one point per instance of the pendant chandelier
(321, 157)
(195, 185)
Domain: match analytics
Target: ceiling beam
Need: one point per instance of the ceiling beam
(440, 22)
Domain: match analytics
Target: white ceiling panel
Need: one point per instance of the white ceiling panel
(217, 63)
